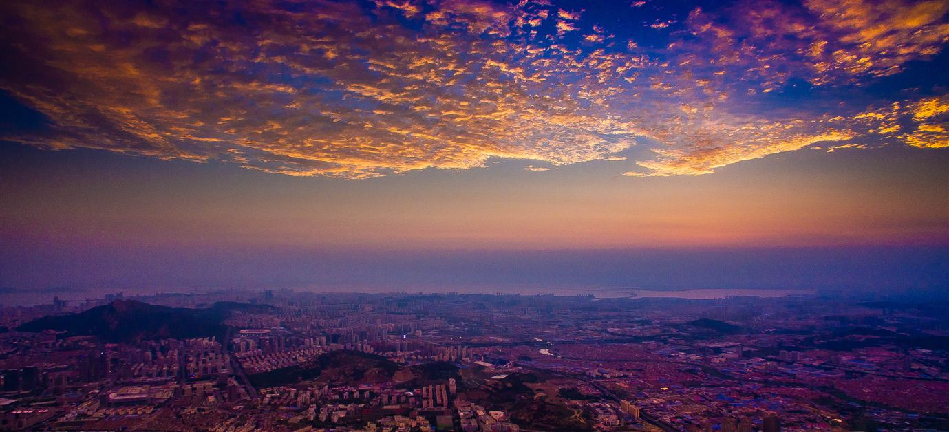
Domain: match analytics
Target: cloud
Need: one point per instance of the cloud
(832, 149)
(351, 90)
(704, 160)
(824, 41)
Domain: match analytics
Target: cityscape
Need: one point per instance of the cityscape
(474, 215)
(283, 360)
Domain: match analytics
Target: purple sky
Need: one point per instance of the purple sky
(685, 144)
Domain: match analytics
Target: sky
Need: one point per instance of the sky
(401, 144)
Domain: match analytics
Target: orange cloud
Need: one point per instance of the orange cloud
(345, 90)
(704, 159)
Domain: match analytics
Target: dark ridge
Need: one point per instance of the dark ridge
(528, 408)
(716, 325)
(343, 367)
(131, 320)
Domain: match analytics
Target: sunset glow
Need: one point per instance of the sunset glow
(474, 125)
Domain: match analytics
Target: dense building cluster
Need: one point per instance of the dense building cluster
(425, 362)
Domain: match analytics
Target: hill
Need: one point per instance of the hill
(341, 367)
(526, 398)
(130, 320)
(715, 325)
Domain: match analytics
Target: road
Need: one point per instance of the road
(236, 367)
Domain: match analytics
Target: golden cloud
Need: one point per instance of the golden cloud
(348, 90)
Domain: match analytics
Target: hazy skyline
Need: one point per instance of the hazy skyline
(641, 144)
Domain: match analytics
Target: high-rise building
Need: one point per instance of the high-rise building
(772, 423)
(29, 378)
(744, 425)
(628, 408)
(11, 380)
(58, 305)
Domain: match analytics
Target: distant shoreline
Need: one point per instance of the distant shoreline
(714, 294)
(27, 298)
